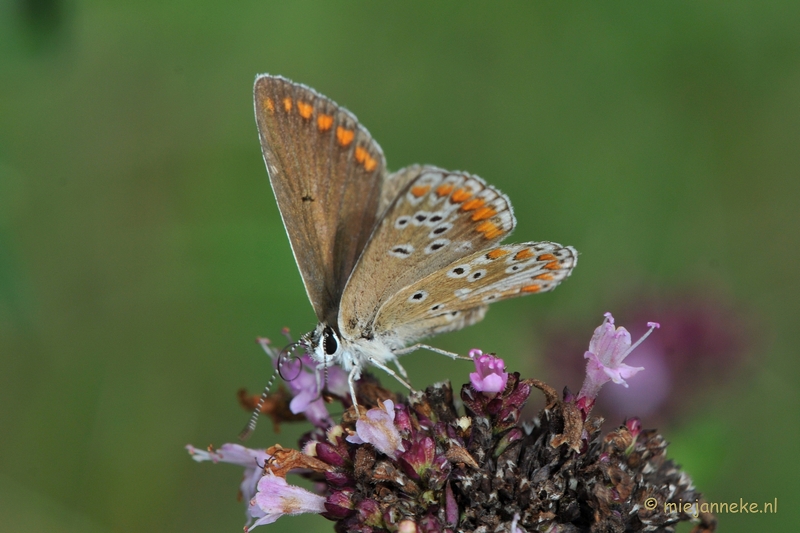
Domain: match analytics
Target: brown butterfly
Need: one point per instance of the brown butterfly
(387, 259)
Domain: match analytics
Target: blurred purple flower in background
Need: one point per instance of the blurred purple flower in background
(607, 349)
(702, 342)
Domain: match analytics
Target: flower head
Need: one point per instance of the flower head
(607, 349)
(490, 376)
(423, 464)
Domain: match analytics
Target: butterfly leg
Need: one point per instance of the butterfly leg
(416, 347)
(391, 372)
(321, 367)
(354, 375)
(401, 369)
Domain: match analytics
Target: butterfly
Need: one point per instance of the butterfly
(387, 259)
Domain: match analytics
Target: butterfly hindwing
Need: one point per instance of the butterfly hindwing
(430, 326)
(327, 174)
(437, 218)
(476, 280)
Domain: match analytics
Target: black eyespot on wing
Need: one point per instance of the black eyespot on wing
(401, 251)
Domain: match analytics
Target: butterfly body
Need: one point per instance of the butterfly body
(387, 259)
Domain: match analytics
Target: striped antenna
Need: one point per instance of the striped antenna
(251, 424)
(288, 367)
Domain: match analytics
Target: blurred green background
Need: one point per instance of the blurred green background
(141, 250)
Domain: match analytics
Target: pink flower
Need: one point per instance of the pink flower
(276, 498)
(308, 401)
(607, 349)
(253, 462)
(490, 376)
(377, 428)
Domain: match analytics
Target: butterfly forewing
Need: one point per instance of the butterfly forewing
(327, 174)
(439, 217)
(479, 279)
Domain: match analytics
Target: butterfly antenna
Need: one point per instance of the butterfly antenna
(286, 358)
(251, 424)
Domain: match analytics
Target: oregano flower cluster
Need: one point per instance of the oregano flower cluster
(437, 461)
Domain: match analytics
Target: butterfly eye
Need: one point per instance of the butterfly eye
(329, 341)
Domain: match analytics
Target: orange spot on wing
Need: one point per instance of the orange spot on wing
(531, 288)
(483, 213)
(420, 190)
(525, 253)
(269, 104)
(287, 104)
(489, 229)
(324, 122)
(473, 204)
(546, 276)
(344, 136)
(444, 189)
(305, 109)
(546, 257)
(460, 195)
(494, 254)
(363, 157)
(553, 265)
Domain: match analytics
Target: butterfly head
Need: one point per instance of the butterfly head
(324, 345)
